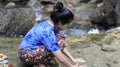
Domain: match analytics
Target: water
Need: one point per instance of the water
(81, 31)
(38, 11)
(117, 28)
(71, 31)
(94, 31)
(38, 16)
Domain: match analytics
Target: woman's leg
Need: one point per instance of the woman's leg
(38, 56)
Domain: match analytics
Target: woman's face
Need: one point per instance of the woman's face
(62, 27)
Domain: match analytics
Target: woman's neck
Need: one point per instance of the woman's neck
(51, 22)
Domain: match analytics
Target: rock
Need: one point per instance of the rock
(108, 48)
(117, 8)
(102, 55)
(99, 5)
(16, 21)
(10, 5)
(84, 25)
(83, 15)
(109, 5)
(96, 1)
(10, 0)
(85, 12)
(5, 17)
(85, 1)
(70, 4)
(32, 2)
(108, 15)
(95, 54)
(106, 21)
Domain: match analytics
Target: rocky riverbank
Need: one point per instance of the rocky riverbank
(15, 15)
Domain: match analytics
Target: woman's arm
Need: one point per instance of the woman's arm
(66, 52)
(58, 54)
(75, 60)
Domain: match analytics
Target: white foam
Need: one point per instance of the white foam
(93, 31)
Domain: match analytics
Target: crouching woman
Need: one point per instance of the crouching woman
(43, 42)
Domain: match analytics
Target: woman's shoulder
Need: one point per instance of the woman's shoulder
(44, 23)
(43, 26)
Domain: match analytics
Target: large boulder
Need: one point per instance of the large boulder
(109, 5)
(109, 15)
(16, 21)
(83, 15)
(117, 9)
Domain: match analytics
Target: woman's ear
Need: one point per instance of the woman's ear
(60, 23)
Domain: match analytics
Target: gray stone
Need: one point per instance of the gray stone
(108, 48)
(95, 54)
(16, 21)
(10, 5)
(32, 2)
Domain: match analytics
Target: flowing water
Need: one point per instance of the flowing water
(69, 31)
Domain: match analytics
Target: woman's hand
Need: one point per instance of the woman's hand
(80, 61)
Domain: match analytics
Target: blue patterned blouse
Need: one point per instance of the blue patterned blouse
(41, 34)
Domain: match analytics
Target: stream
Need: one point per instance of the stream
(70, 31)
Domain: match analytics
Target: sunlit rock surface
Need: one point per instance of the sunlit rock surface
(99, 50)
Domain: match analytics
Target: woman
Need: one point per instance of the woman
(43, 41)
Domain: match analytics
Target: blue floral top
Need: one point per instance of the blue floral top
(41, 34)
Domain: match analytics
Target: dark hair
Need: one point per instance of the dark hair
(61, 14)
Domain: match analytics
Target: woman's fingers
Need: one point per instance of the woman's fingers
(81, 60)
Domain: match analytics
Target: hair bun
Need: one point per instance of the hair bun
(59, 6)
